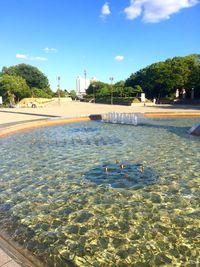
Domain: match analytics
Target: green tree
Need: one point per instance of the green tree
(100, 88)
(32, 75)
(13, 88)
(36, 92)
(128, 91)
(161, 79)
(118, 89)
(72, 93)
(194, 80)
(63, 93)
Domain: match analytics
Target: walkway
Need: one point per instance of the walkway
(7, 261)
(76, 109)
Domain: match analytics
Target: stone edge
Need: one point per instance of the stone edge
(33, 125)
(17, 254)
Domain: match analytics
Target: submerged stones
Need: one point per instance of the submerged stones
(84, 216)
(123, 175)
(162, 258)
(72, 229)
(74, 142)
(118, 242)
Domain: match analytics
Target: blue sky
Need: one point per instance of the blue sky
(114, 38)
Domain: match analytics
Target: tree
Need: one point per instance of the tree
(161, 79)
(63, 93)
(118, 89)
(36, 92)
(128, 91)
(72, 94)
(13, 88)
(194, 80)
(101, 89)
(32, 75)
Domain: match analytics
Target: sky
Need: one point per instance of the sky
(106, 38)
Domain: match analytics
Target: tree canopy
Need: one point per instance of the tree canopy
(163, 78)
(158, 80)
(21, 81)
(118, 89)
(32, 75)
(13, 87)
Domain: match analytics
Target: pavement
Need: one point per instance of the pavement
(7, 261)
(10, 116)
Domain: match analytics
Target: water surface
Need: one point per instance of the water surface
(96, 194)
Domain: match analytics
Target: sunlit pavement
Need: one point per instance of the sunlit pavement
(76, 109)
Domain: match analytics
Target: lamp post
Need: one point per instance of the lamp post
(93, 86)
(58, 91)
(111, 95)
(85, 76)
(192, 93)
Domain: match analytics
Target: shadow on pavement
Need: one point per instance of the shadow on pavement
(26, 113)
(187, 107)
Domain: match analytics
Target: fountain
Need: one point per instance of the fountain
(123, 118)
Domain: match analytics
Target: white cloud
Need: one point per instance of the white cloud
(156, 10)
(50, 50)
(22, 56)
(105, 10)
(38, 58)
(119, 58)
(27, 57)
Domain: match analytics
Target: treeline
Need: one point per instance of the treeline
(116, 93)
(118, 89)
(20, 81)
(159, 80)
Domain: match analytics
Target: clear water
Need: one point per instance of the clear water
(96, 194)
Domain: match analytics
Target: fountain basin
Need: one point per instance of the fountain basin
(55, 201)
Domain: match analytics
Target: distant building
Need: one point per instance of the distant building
(82, 85)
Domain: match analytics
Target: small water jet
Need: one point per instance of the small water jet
(123, 175)
(33, 141)
(42, 141)
(106, 170)
(123, 118)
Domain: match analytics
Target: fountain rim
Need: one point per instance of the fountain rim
(17, 253)
(27, 126)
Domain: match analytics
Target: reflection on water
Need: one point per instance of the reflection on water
(94, 194)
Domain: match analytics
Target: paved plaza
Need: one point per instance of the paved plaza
(10, 116)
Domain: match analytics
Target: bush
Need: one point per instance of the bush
(40, 93)
(117, 100)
